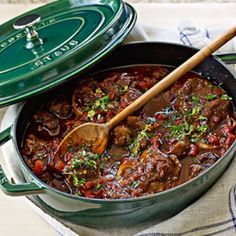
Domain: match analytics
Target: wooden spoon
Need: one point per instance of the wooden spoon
(97, 134)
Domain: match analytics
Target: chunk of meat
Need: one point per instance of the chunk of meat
(33, 145)
(154, 105)
(195, 169)
(108, 83)
(47, 122)
(160, 72)
(61, 107)
(131, 95)
(135, 176)
(84, 94)
(217, 107)
(122, 135)
(208, 158)
(125, 168)
(125, 80)
(179, 148)
(135, 122)
(195, 85)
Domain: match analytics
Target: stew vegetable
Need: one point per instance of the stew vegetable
(176, 136)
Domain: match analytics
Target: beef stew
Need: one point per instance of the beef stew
(175, 137)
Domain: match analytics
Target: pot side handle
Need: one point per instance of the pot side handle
(227, 58)
(15, 189)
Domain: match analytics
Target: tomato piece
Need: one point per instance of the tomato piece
(161, 117)
(89, 194)
(99, 193)
(144, 85)
(193, 150)
(213, 139)
(155, 142)
(123, 104)
(89, 184)
(59, 166)
(230, 139)
(226, 129)
(112, 94)
(38, 167)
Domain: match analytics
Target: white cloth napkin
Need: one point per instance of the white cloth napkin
(213, 214)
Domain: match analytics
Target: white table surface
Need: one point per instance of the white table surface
(16, 217)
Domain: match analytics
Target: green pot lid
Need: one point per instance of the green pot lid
(44, 47)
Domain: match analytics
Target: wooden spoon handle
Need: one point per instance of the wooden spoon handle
(173, 76)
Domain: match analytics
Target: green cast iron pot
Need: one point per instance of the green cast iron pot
(103, 212)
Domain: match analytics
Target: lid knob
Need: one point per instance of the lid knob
(27, 22)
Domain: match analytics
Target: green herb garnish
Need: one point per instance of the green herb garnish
(202, 118)
(96, 156)
(195, 111)
(91, 114)
(151, 120)
(194, 139)
(98, 186)
(135, 145)
(203, 128)
(98, 90)
(84, 159)
(211, 96)
(100, 103)
(103, 101)
(78, 181)
(134, 184)
(196, 99)
(225, 97)
(71, 149)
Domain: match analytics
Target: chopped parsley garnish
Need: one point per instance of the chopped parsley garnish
(211, 97)
(196, 110)
(225, 97)
(167, 111)
(181, 130)
(98, 186)
(202, 118)
(100, 103)
(78, 181)
(151, 120)
(91, 114)
(86, 162)
(122, 90)
(96, 156)
(196, 99)
(84, 159)
(98, 90)
(203, 129)
(135, 146)
(134, 184)
(103, 101)
(71, 149)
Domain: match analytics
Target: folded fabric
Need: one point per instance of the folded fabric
(212, 214)
(187, 33)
